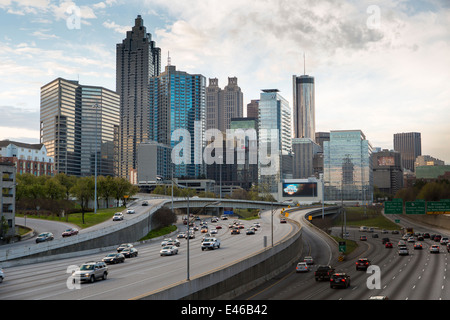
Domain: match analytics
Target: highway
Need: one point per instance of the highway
(419, 276)
(145, 273)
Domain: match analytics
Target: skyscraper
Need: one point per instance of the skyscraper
(410, 147)
(275, 114)
(137, 60)
(348, 166)
(223, 104)
(76, 122)
(304, 107)
(177, 101)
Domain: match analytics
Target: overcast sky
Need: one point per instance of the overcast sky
(379, 66)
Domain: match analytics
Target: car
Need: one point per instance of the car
(257, 225)
(309, 260)
(302, 267)
(388, 245)
(250, 231)
(403, 251)
(401, 243)
(437, 238)
(129, 252)
(218, 226)
(235, 231)
(417, 246)
(283, 220)
(210, 243)
(362, 264)
(145, 203)
(224, 217)
(384, 240)
(324, 273)
(170, 242)
(434, 248)
(381, 297)
(70, 232)
(411, 239)
(130, 211)
(426, 235)
(91, 271)
(169, 251)
(114, 258)
(124, 246)
(214, 231)
(118, 216)
(181, 235)
(2, 275)
(44, 236)
(340, 280)
(204, 230)
(395, 232)
(444, 241)
(448, 247)
(363, 238)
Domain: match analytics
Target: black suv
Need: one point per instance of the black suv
(340, 280)
(323, 273)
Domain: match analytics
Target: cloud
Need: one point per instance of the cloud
(117, 28)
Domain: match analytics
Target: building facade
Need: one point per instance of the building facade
(77, 124)
(387, 171)
(409, 145)
(304, 107)
(348, 174)
(137, 61)
(7, 199)
(28, 158)
(177, 101)
(223, 104)
(274, 117)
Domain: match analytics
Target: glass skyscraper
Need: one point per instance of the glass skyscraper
(137, 60)
(76, 122)
(177, 101)
(348, 167)
(304, 107)
(274, 113)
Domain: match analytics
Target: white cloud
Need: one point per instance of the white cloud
(117, 28)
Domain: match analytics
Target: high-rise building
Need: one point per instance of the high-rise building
(387, 171)
(137, 60)
(304, 107)
(252, 109)
(177, 101)
(222, 105)
(409, 145)
(78, 122)
(275, 114)
(348, 167)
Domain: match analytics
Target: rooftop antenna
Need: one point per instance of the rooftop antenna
(304, 64)
(168, 58)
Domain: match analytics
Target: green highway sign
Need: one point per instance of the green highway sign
(342, 246)
(438, 207)
(415, 207)
(393, 207)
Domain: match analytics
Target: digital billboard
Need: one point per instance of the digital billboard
(303, 189)
(386, 161)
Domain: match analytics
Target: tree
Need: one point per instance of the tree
(105, 187)
(123, 189)
(83, 190)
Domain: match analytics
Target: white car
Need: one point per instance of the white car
(130, 211)
(118, 216)
(170, 242)
(403, 251)
(2, 275)
(444, 241)
(308, 260)
(302, 267)
(169, 251)
(434, 248)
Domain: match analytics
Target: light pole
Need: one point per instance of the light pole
(96, 106)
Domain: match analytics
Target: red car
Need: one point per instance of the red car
(388, 245)
(70, 232)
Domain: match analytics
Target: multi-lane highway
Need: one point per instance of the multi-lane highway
(145, 273)
(421, 275)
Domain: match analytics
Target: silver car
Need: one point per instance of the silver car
(91, 271)
(169, 251)
(2, 275)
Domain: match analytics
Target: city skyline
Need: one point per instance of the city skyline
(382, 69)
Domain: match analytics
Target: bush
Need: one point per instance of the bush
(163, 218)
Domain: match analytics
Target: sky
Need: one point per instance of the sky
(379, 66)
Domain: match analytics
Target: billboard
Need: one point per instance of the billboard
(302, 189)
(386, 161)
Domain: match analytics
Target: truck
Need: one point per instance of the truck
(324, 273)
(210, 243)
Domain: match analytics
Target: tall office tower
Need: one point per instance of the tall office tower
(348, 167)
(76, 123)
(275, 113)
(305, 151)
(137, 60)
(177, 101)
(222, 105)
(410, 147)
(252, 109)
(304, 107)
(387, 171)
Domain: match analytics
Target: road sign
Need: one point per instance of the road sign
(415, 207)
(342, 246)
(393, 207)
(438, 207)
